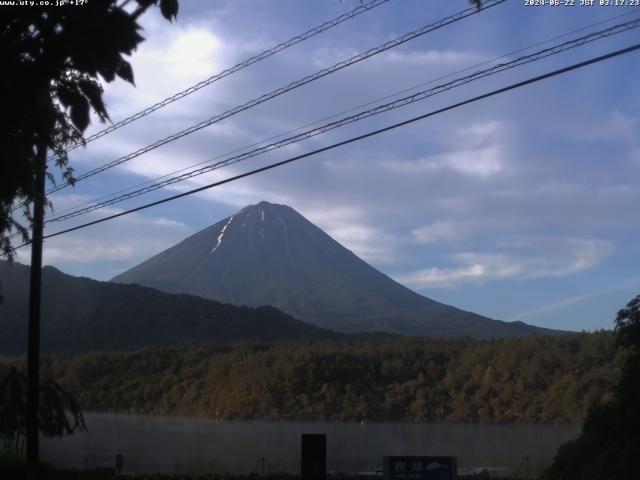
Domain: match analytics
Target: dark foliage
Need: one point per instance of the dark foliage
(523, 380)
(14, 468)
(52, 62)
(609, 445)
(59, 414)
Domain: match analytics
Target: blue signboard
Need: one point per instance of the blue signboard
(420, 468)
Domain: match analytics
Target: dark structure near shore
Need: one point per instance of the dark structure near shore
(313, 456)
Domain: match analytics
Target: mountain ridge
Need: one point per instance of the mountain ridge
(81, 315)
(270, 254)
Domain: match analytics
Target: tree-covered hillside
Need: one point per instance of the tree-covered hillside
(532, 379)
(608, 447)
(82, 315)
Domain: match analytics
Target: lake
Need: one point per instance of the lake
(190, 445)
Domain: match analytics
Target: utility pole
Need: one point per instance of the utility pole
(35, 287)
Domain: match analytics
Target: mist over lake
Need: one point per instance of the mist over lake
(187, 445)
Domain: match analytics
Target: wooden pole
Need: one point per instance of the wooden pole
(33, 349)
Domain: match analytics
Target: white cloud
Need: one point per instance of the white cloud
(355, 228)
(170, 59)
(420, 57)
(475, 150)
(129, 239)
(440, 231)
(326, 57)
(519, 260)
(457, 203)
(479, 133)
(437, 277)
(367, 242)
(556, 257)
(481, 163)
(614, 126)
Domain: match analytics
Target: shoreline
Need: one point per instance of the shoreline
(268, 421)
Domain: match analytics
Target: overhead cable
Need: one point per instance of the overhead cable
(280, 91)
(343, 112)
(418, 96)
(365, 7)
(513, 86)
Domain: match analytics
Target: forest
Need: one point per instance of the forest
(535, 379)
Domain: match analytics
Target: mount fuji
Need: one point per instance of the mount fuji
(269, 254)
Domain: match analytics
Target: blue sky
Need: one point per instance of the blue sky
(520, 207)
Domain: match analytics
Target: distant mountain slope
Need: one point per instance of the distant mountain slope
(270, 254)
(80, 315)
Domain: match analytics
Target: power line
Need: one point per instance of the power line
(487, 62)
(355, 139)
(422, 95)
(338, 114)
(240, 66)
(236, 68)
(280, 91)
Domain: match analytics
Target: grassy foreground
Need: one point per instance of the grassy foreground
(12, 468)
